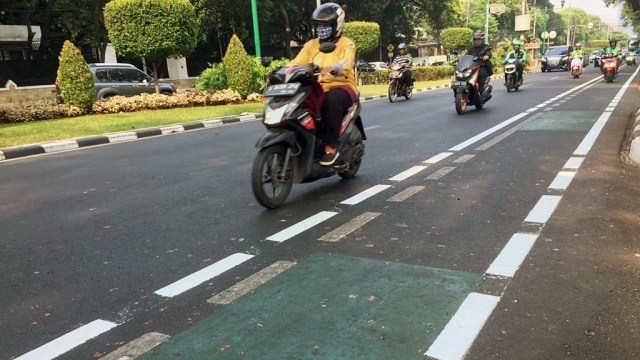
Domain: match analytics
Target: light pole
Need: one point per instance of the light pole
(486, 19)
(256, 30)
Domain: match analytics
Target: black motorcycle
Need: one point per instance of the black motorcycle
(466, 88)
(291, 149)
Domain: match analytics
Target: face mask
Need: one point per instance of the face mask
(324, 31)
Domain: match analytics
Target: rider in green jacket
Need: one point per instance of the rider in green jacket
(519, 54)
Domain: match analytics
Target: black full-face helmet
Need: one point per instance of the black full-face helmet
(330, 14)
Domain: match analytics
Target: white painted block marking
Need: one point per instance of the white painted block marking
(303, 225)
(2, 156)
(69, 341)
(407, 173)
(437, 158)
(125, 136)
(542, 211)
(573, 163)
(200, 276)
(249, 117)
(349, 227)
(562, 180)
(406, 193)
(59, 146)
(171, 129)
(212, 123)
(458, 335)
(365, 194)
(512, 255)
(137, 347)
(440, 173)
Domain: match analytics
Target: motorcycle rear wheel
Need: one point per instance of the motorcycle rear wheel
(271, 186)
(354, 162)
(408, 94)
(461, 103)
(393, 92)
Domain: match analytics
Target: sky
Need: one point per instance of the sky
(610, 15)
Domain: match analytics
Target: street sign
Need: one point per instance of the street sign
(497, 8)
(390, 47)
(553, 34)
(544, 35)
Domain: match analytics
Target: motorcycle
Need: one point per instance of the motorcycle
(630, 59)
(576, 67)
(609, 67)
(397, 87)
(466, 88)
(511, 78)
(291, 148)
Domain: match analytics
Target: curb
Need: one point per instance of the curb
(634, 149)
(62, 145)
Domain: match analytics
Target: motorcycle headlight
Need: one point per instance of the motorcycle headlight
(463, 74)
(294, 103)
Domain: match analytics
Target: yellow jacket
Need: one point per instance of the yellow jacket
(342, 58)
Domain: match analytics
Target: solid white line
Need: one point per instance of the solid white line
(407, 173)
(573, 163)
(512, 255)
(200, 276)
(457, 336)
(437, 158)
(542, 211)
(365, 194)
(303, 225)
(592, 135)
(487, 132)
(562, 180)
(69, 341)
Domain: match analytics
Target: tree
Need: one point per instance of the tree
(84, 22)
(366, 35)
(237, 66)
(75, 79)
(456, 38)
(152, 29)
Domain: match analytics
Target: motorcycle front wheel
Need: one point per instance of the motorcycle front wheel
(393, 91)
(270, 181)
(408, 94)
(461, 102)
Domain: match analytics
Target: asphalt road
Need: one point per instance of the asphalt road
(513, 229)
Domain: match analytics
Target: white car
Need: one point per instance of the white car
(378, 65)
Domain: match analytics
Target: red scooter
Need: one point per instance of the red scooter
(397, 86)
(609, 67)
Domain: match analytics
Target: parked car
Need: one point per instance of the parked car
(379, 65)
(556, 58)
(111, 79)
(364, 66)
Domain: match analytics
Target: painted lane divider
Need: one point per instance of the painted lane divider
(69, 341)
(407, 173)
(358, 198)
(458, 335)
(349, 227)
(543, 209)
(512, 255)
(303, 225)
(198, 277)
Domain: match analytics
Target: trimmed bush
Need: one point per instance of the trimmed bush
(212, 79)
(74, 78)
(238, 67)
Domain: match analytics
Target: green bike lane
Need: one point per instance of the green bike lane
(330, 306)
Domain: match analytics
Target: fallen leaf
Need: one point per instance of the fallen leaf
(225, 347)
(371, 298)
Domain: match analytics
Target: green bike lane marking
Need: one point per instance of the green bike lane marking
(330, 306)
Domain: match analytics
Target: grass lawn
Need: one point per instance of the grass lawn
(62, 129)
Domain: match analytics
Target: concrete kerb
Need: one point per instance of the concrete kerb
(63, 145)
(634, 149)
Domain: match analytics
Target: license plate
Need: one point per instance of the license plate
(459, 84)
(282, 89)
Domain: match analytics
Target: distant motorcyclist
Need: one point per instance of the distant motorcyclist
(577, 51)
(406, 61)
(482, 51)
(519, 54)
(614, 49)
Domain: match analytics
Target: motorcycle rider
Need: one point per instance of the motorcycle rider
(521, 55)
(614, 49)
(337, 76)
(482, 51)
(406, 61)
(577, 51)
